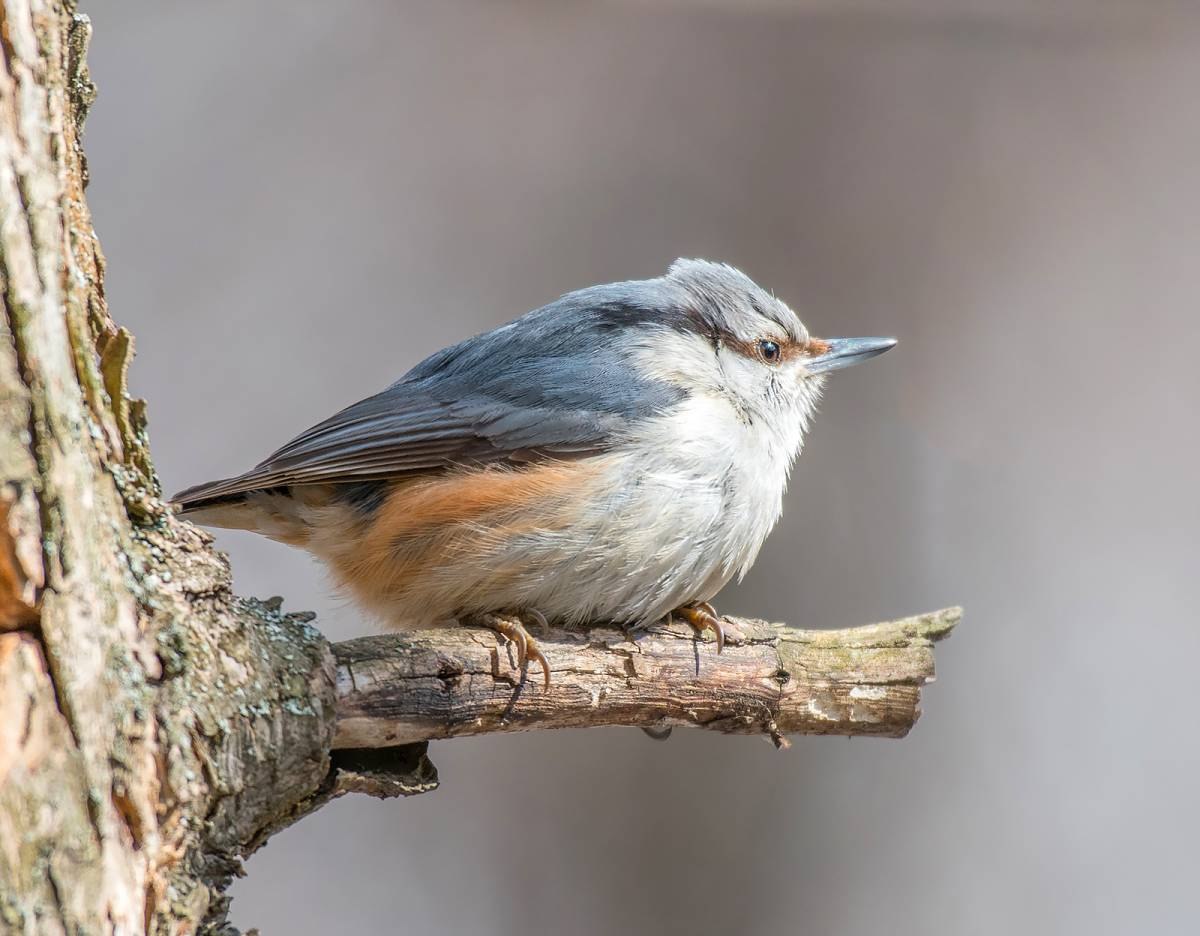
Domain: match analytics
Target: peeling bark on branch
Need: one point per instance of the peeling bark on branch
(154, 728)
(773, 680)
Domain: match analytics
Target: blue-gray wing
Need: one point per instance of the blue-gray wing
(556, 382)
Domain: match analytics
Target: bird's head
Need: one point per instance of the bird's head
(728, 335)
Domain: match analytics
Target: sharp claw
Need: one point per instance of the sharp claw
(535, 652)
(714, 624)
(540, 618)
(518, 636)
(513, 628)
(702, 616)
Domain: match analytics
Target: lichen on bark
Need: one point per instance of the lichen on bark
(155, 723)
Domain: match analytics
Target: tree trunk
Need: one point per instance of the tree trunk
(154, 728)
(151, 725)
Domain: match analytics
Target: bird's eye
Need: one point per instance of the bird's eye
(769, 350)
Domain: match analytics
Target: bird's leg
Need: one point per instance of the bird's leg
(702, 616)
(512, 627)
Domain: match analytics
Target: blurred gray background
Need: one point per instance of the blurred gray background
(300, 200)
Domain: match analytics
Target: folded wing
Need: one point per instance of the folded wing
(550, 384)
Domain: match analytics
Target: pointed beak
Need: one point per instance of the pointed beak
(845, 352)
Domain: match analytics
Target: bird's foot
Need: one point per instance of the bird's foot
(702, 616)
(512, 627)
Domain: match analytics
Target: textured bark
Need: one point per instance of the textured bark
(770, 680)
(155, 728)
(152, 724)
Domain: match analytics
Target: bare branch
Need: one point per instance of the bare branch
(775, 680)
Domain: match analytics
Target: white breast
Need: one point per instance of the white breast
(734, 468)
(684, 508)
(687, 502)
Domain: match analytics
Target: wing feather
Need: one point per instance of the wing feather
(551, 383)
(371, 441)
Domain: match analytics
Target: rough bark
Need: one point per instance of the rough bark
(153, 724)
(155, 728)
(771, 680)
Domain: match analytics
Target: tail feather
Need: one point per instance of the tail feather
(221, 504)
(273, 513)
(225, 490)
(229, 514)
(281, 512)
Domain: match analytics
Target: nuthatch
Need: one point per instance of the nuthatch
(617, 455)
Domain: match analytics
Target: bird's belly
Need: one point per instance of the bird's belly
(626, 537)
(654, 540)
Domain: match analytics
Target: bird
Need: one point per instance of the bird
(617, 455)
